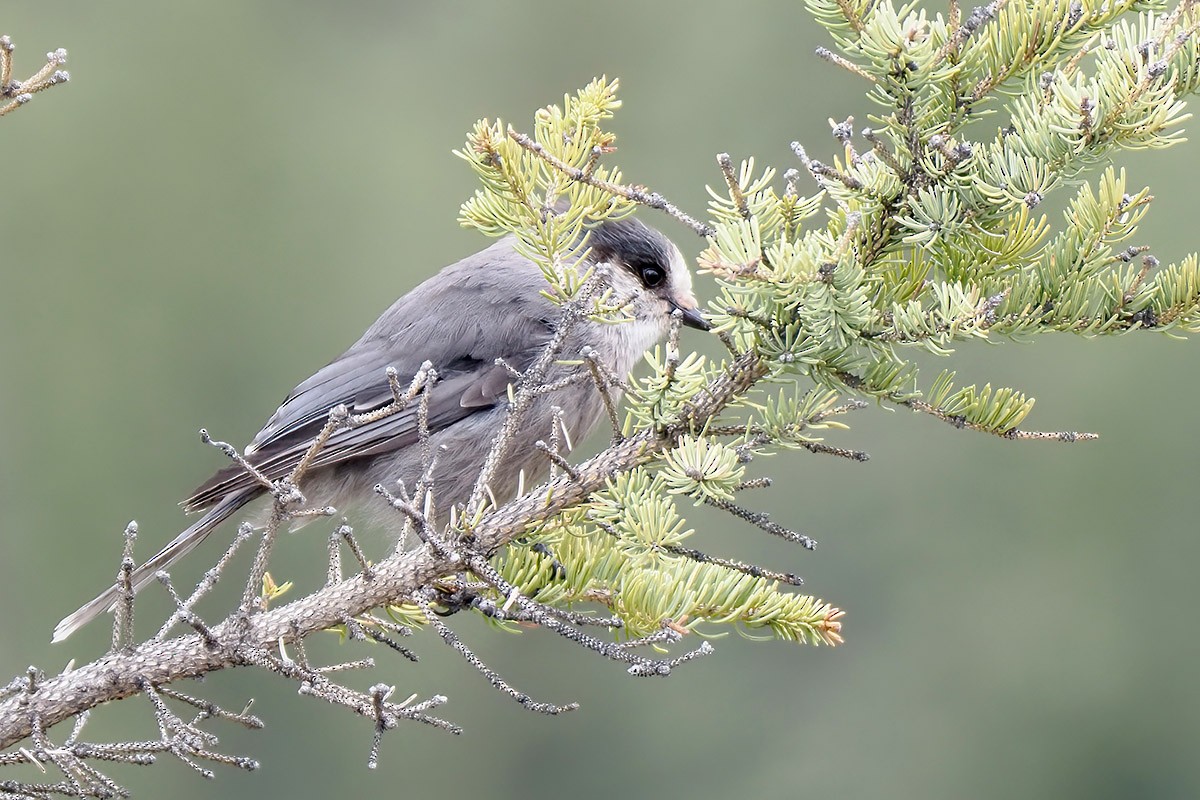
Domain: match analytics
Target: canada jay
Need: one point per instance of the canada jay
(488, 306)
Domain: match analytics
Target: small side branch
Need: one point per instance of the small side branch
(122, 631)
(605, 380)
(449, 637)
(762, 521)
(650, 199)
(961, 422)
(206, 584)
(540, 615)
(18, 93)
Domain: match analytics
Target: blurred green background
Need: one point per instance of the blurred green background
(227, 193)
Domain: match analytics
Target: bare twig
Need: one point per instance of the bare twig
(19, 93)
(734, 186)
(640, 196)
(122, 631)
(604, 380)
(492, 676)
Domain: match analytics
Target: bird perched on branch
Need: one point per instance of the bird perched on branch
(481, 323)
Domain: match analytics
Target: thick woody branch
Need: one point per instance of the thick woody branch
(239, 640)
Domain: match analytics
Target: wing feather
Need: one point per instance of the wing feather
(482, 308)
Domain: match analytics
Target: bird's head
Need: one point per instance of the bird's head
(648, 267)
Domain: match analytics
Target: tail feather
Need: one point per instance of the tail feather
(144, 573)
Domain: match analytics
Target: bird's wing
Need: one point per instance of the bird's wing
(461, 321)
(458, 395)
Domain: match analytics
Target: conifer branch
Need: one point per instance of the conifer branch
(15, 93)
(927, 239)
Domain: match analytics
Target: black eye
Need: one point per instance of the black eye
(651, 275)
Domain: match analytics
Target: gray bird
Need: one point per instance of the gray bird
(487, 306)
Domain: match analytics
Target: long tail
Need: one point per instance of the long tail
(144, 573)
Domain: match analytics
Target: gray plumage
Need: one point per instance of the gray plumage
(485, 307)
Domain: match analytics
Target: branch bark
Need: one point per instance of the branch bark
(123, 673)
